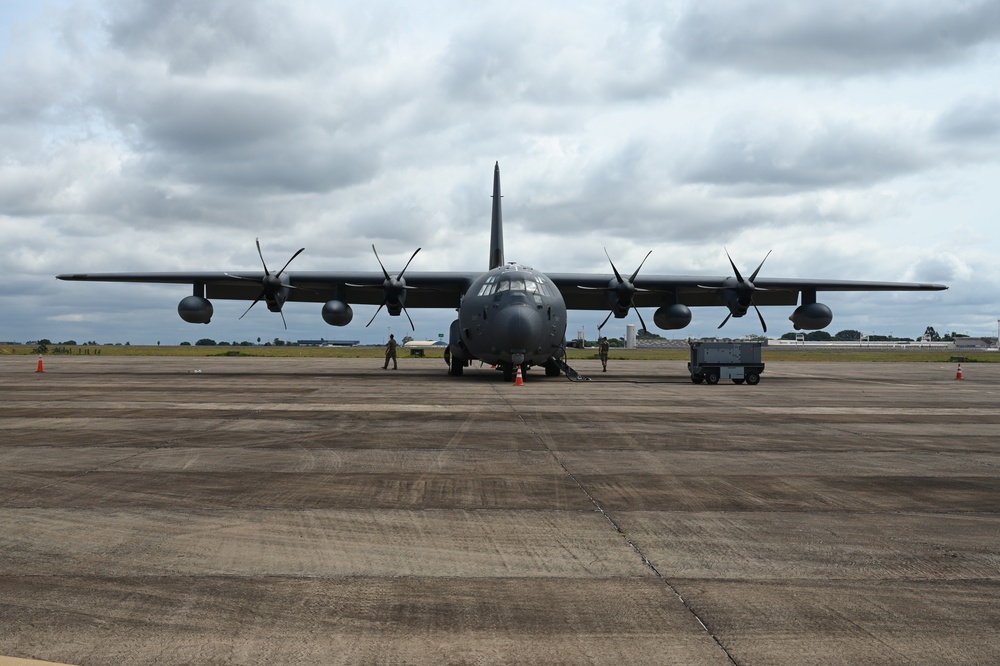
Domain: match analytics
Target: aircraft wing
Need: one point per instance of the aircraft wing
(581, 291)
(431, 289)
(588, 291)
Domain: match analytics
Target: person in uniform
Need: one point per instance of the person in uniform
(390, 353)
(602, 349)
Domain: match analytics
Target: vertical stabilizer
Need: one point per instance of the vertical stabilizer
(496, 230)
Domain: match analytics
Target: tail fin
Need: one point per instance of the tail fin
(496, 232)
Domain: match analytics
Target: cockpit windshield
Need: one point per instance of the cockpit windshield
(531, 284)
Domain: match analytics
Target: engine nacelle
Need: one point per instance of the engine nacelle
(195, 310)
(811, 317)
(337, 313)
(671, 317)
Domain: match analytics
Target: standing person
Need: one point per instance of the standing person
(603, 351)
(390, 353)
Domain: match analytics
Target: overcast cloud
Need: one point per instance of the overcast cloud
(857, 140)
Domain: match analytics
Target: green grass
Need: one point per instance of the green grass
(769, 354)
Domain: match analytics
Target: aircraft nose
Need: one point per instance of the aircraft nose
(521, 326)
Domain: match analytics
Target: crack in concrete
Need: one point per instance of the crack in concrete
(634, 546)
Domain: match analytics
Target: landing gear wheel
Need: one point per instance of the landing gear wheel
(455, 368)
(753, 378)
(551, 369)
(697, 379)
(508, 374)
(737, 381)
(712, 377)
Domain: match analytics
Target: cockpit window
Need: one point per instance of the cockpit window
(537, 286)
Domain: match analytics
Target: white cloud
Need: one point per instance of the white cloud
(849, 138)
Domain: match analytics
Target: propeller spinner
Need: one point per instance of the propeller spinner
(271, 285)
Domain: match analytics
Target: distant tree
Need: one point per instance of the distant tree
(69, 342)
(41, 348)
(223, 343)
(246, 343)
(206, 342)
(185, 344)
(407, 338)
(931, 334)
(848, 334)
(788, 336)
(45, 341)
(819, 336)
(278, 342)
(644, 334)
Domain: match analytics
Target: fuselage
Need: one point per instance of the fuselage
(513, 315)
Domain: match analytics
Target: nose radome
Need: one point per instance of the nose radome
(521, 326)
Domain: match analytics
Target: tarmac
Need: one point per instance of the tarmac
(320, 511)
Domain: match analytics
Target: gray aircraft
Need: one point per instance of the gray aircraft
(511, 315)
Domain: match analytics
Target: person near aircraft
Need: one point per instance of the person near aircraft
(390, 353)
(602, 350)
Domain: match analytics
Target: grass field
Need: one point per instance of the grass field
(769, 354)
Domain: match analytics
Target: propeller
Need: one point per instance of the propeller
(624, 291)
(743, 292)
(270, 284)
(394, 288)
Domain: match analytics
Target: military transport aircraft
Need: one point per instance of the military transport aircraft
(511, 315)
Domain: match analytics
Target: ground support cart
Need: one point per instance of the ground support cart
(739, 361)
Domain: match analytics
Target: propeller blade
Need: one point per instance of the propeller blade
(408, 317)
(283, 319)
(375, 315)
(384, 272)
(725, 320)
(632, 279)
(640, 318)
(617, 274)
(261, 255)
(605, 321)
(400, 276)
(754, 276)
(735, 270)
(252, 304)
(301, 249)
(761, 317)
(237, 277)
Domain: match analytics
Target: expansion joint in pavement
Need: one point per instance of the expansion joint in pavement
(632, 544)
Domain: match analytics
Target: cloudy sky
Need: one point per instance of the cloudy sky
(857, 140)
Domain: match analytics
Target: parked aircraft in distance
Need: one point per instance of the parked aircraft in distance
(510, 315)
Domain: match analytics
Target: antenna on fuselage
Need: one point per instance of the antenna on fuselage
(496, 228)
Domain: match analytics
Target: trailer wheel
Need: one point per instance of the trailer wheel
(697, 379)
(737, 381)
(712, 376)
(753, 378)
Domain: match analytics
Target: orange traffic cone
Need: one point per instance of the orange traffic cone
(520, 380)
(958, 375)
(41, 368)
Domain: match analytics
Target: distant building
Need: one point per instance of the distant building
(972, 343)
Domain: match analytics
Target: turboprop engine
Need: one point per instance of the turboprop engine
(195, 310)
